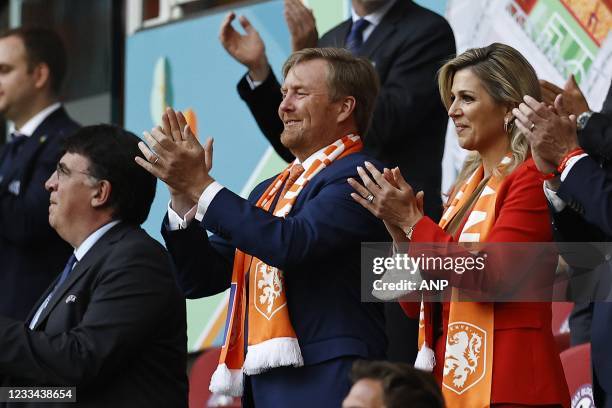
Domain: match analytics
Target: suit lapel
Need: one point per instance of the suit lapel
(40, 301)
(343, 31)
(31, 147)
(378, 36)
(97, 252)
(338, 35)
(25, 158)
(385, 28)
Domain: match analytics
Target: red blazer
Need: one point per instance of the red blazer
(526, 365)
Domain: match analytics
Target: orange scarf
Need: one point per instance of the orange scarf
(468, 359)
(272, 342)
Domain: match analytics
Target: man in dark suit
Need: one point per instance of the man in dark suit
(113, 322)
(32, 66)
(298, 249)
(407, 44)
(579, 190)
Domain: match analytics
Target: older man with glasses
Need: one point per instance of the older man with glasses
(112, 325)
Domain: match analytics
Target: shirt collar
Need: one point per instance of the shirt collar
(92, 239)
(373, 18)
(30, 126)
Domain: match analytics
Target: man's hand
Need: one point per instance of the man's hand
(301, 24)
(247, 49)
(550, 131)
(574, 101)
(175, 156)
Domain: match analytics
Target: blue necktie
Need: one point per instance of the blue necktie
(67, 269)
(354, 41)
(12, 149)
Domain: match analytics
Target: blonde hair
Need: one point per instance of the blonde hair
(507, 76)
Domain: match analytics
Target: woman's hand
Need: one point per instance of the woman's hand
(389, 197)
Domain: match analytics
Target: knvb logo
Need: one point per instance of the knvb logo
(583, 398)
(268, 290)
(465, 357)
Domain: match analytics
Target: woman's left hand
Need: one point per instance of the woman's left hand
(393, 202)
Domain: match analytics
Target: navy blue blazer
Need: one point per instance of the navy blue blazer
(31, 252)
(318, 248)
(588, 218)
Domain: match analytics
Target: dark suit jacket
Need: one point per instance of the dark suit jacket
(318, 248)
(115, 329)
(588, 217)
(31, 252)
(409, 124)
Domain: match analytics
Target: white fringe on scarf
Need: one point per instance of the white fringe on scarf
(425, 359)
(226, 382)
(276, 352)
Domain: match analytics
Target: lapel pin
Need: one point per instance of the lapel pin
(71, 299)
(14, 187)
(43, 139)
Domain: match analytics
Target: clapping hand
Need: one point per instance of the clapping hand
(248, 49)
(551, 131)
(389, 197)
(574, 101)
(174, 155)
(301, 24)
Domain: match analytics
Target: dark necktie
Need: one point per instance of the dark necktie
(12, 149)
(354, 41)
(67, 269)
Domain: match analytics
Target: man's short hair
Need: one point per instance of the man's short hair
(402, 384)
(110, 151)
(347, 76)
(43, 46)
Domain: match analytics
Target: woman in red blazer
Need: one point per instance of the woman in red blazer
(482, 353)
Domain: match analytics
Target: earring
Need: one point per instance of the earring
(508, 127)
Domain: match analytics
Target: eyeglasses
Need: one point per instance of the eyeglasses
(63, 172)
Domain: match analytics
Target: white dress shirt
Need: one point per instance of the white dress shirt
(373, 18)
(551, 195)
(30, 126)
(176, 222)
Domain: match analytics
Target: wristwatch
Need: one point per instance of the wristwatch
(582, 120)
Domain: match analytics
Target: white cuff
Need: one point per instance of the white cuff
(175, 222)
(206, 198)
(252, 83)
(552, 197)
(570, 164)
